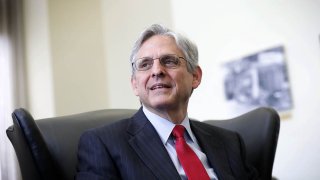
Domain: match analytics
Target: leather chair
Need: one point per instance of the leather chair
(47, 148)
(259, 130)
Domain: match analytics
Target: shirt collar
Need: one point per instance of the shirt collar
(164, 127)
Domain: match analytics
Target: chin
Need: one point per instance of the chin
(162, 105)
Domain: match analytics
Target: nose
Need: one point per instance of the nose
(157, 69)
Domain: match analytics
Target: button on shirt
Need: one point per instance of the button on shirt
(164, 128)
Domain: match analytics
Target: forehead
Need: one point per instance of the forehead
(158, 45)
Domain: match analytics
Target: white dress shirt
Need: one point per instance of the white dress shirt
(164, 128)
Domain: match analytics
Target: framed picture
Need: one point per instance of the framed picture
(259, 79)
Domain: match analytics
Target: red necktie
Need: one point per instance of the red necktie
(189, 160)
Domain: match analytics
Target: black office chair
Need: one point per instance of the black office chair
(259, 130)
(47, 148)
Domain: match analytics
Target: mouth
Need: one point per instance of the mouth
(159, 86)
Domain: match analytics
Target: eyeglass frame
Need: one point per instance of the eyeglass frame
(134, 64)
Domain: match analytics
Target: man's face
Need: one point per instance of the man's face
(161, 88)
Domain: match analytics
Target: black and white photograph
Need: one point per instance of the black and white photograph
(260, 79)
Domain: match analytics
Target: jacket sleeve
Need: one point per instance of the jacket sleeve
(94, 161)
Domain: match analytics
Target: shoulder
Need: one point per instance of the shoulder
(119, 130)
(212, 129)
(111, 138)
(230, 139)
(109, 130)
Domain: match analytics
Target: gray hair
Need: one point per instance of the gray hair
(188, 48)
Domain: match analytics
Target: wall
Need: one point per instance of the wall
(87, 43)
(65, 60)
(78, 60)
(123, 22)
(38, 59)
(229, 30)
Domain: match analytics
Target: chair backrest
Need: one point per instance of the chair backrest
(47, 148)
(259, 130)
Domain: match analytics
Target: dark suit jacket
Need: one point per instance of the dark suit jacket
(132, 149)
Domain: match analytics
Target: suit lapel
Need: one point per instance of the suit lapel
(147, 144)
(214, 148)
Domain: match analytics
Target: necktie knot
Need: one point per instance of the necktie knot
(178, 131)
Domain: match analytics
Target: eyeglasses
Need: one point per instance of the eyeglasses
(170, 61)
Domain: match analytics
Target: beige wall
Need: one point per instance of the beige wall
(78, 60)
(77, 53)
(85, 50)
(38, 59)
(123, 22)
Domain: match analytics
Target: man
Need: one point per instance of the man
(159, 141)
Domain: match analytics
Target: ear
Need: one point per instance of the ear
(197, 76)
(134, 85)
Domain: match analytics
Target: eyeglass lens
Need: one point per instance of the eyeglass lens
(168, 61)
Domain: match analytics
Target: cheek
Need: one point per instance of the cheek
(138, 85)
(134, 85)
(185, 80)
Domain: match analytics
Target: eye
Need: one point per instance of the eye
(144, 63)
(170, 61)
